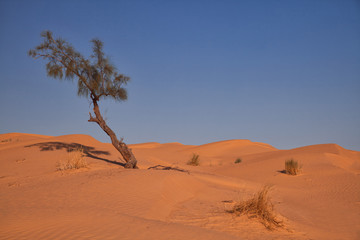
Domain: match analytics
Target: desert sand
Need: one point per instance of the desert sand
(106, 201)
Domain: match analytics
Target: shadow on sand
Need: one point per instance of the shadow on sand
(90, 152)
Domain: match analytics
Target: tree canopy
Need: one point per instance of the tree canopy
(97, 77)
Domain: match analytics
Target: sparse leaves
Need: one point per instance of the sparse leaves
(97, 77)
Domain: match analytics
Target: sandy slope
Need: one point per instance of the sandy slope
(106, 201)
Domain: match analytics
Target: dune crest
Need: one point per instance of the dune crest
(20, 137)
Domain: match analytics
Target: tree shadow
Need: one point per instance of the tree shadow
(282, 171)
(90, 152)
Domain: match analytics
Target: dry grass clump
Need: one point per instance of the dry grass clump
(292, 167)
(6, 140)
(75, 160)
(195, 160)
(260, 207)
(238, 160)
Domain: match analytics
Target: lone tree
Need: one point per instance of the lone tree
(97, 79)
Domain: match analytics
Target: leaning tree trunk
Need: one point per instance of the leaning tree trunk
(123, 149)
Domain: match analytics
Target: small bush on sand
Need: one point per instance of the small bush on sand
(292, 167)
(75, 160)
(260, 207)
(194, 161)
(238, 160)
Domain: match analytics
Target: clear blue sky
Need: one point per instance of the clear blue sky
(285, 72)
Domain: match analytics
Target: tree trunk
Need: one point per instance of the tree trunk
(123, 149)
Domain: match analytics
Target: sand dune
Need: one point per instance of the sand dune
(211, 153)
(105, 201)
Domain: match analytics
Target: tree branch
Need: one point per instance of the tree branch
(92, 119)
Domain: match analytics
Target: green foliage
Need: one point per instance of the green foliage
(292, 167)
(195, 160)
(238, 160)
(97, 77)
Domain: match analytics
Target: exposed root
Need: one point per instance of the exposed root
(161, 167)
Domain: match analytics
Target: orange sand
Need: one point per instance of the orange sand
(106, 201)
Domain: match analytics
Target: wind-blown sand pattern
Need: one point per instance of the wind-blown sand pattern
(105, 201)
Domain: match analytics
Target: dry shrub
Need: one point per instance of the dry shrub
(75, 160)
(292, 167)
(260, 207)
(195, 160)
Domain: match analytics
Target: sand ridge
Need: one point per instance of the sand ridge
(105, 201)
